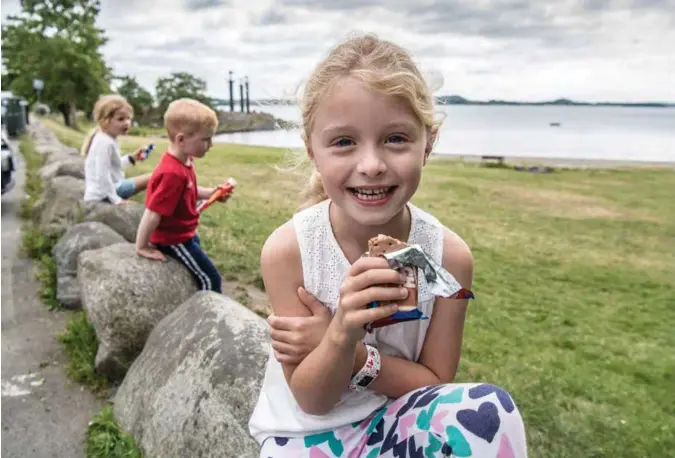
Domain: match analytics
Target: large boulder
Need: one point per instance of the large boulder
(192, 390)
(125, 296)
(77, 239)
(123, 218)
(71, 166)
(60, 204)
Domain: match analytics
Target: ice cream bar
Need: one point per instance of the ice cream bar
(412, 260)
(378, 246)
(220, 192)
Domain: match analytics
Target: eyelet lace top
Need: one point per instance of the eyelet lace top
(324, 268)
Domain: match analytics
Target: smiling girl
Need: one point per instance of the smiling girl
(369, 127)
(104, 164)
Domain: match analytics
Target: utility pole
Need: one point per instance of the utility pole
(231, 93)
(248, 99)
(241, 95)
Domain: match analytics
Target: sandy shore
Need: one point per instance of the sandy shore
(558, 162)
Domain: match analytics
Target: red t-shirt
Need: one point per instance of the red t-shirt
(172, 192)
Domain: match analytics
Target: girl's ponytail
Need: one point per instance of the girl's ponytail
(314, 192)
(87, 141)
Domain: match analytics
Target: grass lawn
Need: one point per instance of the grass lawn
(575, 286)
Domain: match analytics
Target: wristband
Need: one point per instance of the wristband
(369, 372)
(132, 160)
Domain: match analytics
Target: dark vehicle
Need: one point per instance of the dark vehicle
(14, 114)
(8, 166)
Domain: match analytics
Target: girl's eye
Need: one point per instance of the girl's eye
(343, 142)
(396, 138)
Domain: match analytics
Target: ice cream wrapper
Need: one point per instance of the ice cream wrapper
(441, 283)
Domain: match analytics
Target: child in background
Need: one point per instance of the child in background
(171, 219)
(330, 389)
(104, 164)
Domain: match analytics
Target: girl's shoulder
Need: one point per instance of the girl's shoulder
(454, 250)
(101, 140)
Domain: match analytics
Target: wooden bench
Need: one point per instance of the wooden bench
(498, 159)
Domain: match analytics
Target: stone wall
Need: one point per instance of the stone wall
(189, 363)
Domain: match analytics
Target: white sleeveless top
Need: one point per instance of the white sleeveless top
(324, 267)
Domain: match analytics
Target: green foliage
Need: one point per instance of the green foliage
(105, 438)
(179, 85)
(139, 98)
(59, 43)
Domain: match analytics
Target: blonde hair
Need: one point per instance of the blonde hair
(382, 65)
(188, 116)
(104, 110)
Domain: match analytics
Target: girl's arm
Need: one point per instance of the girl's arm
(293, 339)
(440, 354)
(131, 158)
(319, 380)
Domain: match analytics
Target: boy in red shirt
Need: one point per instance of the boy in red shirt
(170, 220)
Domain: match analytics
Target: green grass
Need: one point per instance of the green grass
(575, 307)
(81, 344)
(36, 245)
(105, 438)
(79, 337)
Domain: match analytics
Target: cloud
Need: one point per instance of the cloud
(515, 49)
(203, 4)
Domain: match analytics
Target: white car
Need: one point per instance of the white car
(8, 166)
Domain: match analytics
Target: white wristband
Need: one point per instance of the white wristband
(369, 372)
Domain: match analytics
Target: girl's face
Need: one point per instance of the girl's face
(369, 148)
(119, 123)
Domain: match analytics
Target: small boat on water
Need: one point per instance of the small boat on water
(554, 124)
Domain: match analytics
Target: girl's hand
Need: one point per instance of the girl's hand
(139, 154)
(295, 337)
(365, 283)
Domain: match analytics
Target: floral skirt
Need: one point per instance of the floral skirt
(453, 420)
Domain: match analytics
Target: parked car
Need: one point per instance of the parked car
(8, 166)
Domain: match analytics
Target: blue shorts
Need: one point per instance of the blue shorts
(126, 188)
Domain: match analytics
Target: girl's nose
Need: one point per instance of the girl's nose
(370, 163)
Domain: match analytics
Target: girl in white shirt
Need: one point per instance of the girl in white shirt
(369, 126)
(104, 164)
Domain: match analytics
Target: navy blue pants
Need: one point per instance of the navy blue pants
(191, 255)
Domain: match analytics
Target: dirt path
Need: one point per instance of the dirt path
(44, 414)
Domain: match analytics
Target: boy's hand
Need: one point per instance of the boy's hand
(225, 197)
(151, 253)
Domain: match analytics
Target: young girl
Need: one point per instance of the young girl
(369, 127)
(103, 165)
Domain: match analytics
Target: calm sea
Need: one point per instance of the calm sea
(586, 133)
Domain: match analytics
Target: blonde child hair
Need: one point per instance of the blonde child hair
(104, 110)
(384, 67)
(188, 116)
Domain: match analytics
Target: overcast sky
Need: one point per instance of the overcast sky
(617, 50)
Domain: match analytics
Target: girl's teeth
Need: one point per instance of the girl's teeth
(371, 194)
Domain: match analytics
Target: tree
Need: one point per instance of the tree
(58, 42)
(179, 85)
(137, 96)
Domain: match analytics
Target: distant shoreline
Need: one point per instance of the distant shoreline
(564, 163)
(457, 100)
